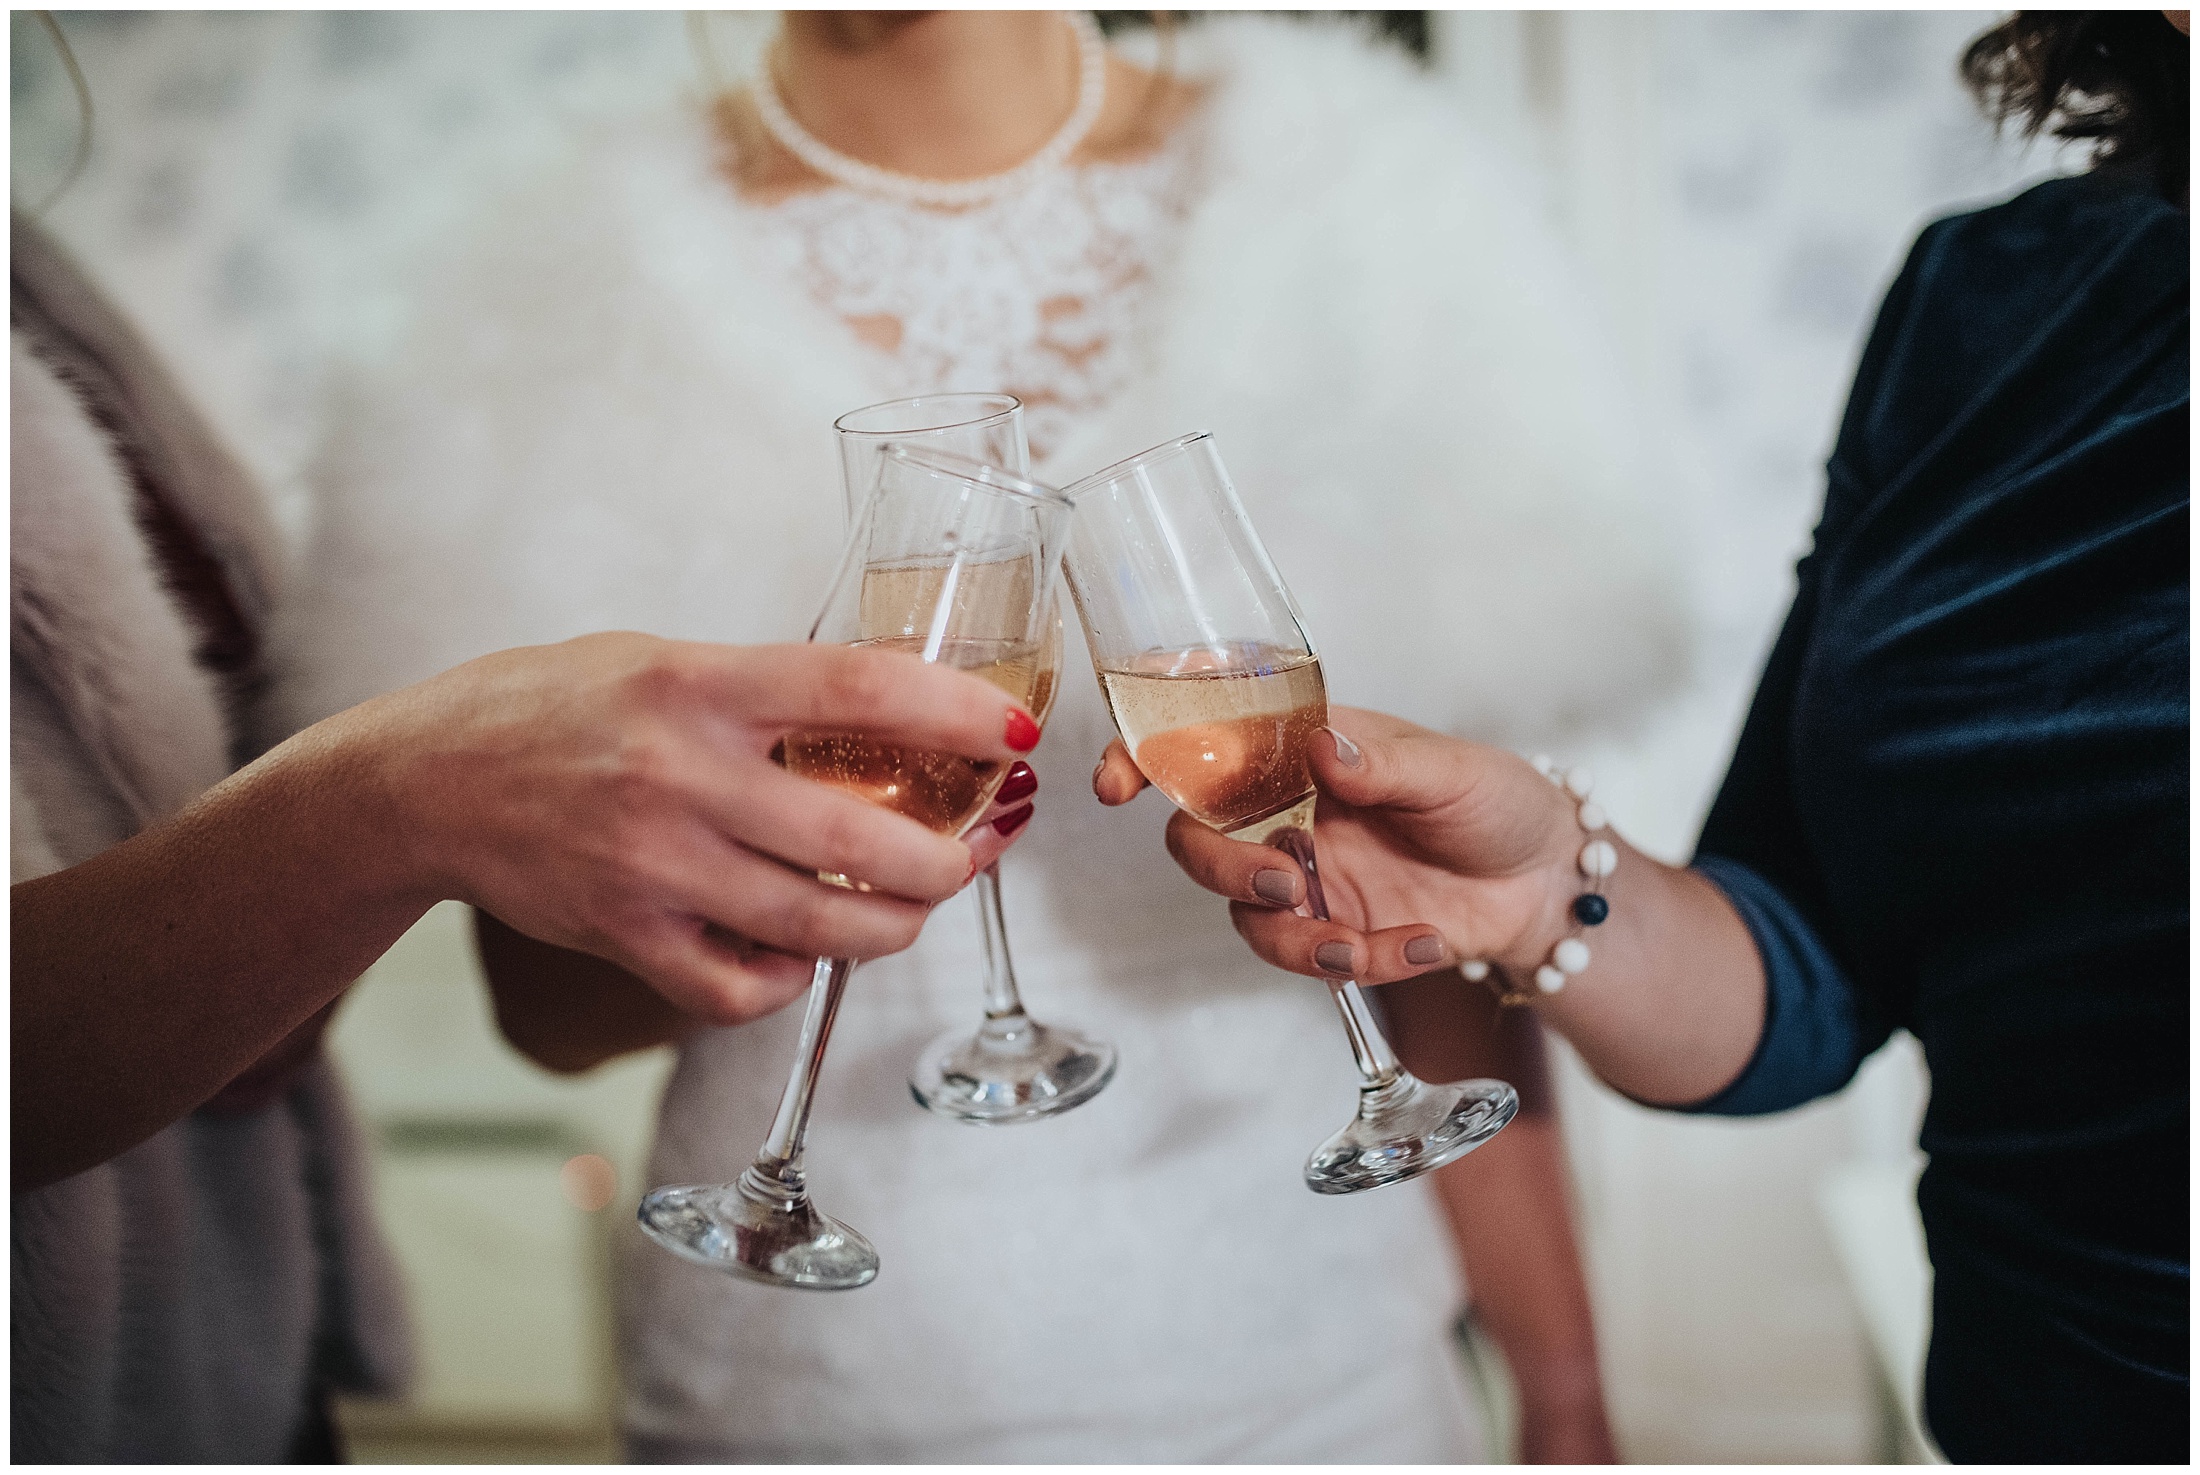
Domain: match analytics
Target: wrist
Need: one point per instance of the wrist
(1576, 861)
(365, 794)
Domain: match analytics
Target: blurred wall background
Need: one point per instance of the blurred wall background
(1739, 189)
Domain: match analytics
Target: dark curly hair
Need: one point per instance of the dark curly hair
(2117, 77)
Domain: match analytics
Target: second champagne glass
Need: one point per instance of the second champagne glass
(1011, 1068)
(950, 561)
(1216, 691)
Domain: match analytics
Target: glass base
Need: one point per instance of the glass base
(758, 1228)
(1012, 1070)
(1406, 1128)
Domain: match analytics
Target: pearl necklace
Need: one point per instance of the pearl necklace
(949, 194)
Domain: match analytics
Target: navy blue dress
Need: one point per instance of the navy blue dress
(1958, 806)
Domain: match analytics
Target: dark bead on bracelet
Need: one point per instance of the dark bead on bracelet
(1590, 909)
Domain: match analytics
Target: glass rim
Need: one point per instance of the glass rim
(979, 473)
(1002, 407)
(1147, 457)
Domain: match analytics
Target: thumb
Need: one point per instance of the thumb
(1474, 806)
(1372, 761)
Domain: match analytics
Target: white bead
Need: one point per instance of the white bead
(1544, 763)
(1571, 955)
(1592, 815)
(1549, 979)
(1599, 859)
(1579, 781)
(1474, 970)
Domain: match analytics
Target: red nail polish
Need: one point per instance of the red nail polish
(1023, 733)
(1021, 783)
(1009, 823)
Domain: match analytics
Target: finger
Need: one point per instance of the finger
(1004, 819)
(815, 826)
(703, 874)
(1117, 779)
(1258, 875)
(1326, 950)
(719, 979)
(1335, 952)
(1370, 760)
(888, 694)
(1398, 953)
(1017, 788)
(990, 840)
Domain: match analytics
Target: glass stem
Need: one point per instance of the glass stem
(1379, 1068)
(1001, 999)
(778, 1166)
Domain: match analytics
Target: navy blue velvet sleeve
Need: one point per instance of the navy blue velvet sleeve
(1818, 1025)
(1816, 1029)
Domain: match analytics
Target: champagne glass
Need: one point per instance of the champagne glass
(1216, 691)
(950, 561)
(1011, 1068)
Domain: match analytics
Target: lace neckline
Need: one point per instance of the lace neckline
(1039, 292)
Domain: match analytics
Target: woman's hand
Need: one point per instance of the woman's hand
(1430, 849)
(571, 1011)
(1433, 850)
(617, 794)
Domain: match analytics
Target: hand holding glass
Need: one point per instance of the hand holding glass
(951, 562)
(1216, 692)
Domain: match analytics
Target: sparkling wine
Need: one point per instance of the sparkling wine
(1222, 730)
(967, 593)
(942, 791)
(901, 601)
(1048, 687)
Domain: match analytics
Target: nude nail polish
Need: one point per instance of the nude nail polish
(1334, 958)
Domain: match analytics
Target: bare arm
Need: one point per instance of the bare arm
(1511, 1215)
(150, 976)
(1426, 837)
(613, 794)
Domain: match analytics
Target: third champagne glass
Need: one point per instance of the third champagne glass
(951, 562)
(1011, 1068)
(1216, 691)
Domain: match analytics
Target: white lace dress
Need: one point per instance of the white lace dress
(1040, 293)
(1145, 1278)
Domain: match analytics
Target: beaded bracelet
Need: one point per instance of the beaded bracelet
(1599, 858)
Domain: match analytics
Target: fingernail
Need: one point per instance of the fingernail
(1334, 957)
(1023, 733)
(1021, 783)
(1348, 751)
(1009, 823)
(1277, 888)
(1425, 950)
